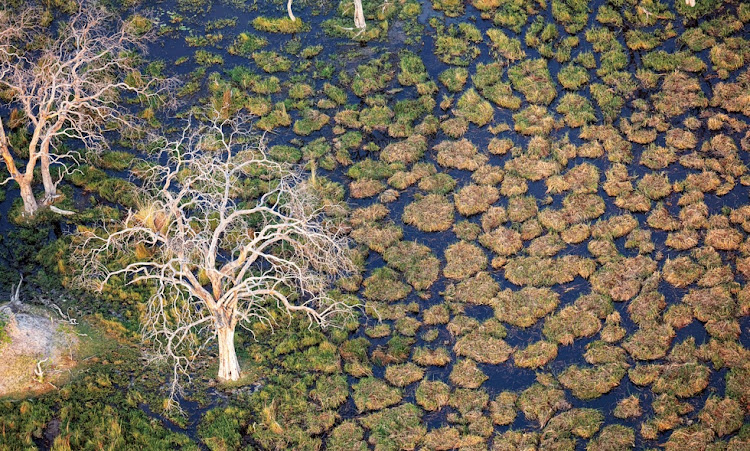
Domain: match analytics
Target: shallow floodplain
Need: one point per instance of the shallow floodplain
(549, 204)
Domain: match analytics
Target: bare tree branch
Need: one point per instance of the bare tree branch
(70, 88)
(216, 254)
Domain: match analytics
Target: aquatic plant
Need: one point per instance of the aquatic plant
(279, 25)
(430, 213)
(463, 259)
(532, 78)
(474, 109)
(525, 307)
(373, 394)
(416, 261)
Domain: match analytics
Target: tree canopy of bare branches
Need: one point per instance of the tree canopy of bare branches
(66, 87)
(217, 256)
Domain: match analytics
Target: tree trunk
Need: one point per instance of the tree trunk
(24, 182)
(289, 10)
(229, 367)
(359, 15)
(29, 201)
(50, 188)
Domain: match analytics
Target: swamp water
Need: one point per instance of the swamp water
(551, 203)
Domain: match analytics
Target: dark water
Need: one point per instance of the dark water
(505, 376)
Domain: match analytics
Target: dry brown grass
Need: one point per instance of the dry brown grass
(503, 408)
(403, 374)
(463, 259)
(535, 355)
(431, 213)
(466, 374)
(502, 241)
(473, 199)
(460, 155)
(525, 307)
(629, 407)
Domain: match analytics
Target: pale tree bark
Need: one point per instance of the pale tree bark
(289, 10)
(24, 180)
(70, 88)
(359, 15)
(216, 258)
(229, 367)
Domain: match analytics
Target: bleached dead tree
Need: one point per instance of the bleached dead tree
(216, 257)
(67, 87)
(359, 13)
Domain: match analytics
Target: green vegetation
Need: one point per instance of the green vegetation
(559, 198)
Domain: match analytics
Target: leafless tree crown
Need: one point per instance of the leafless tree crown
(68, 86)
(216, 255)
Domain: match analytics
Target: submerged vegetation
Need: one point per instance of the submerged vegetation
(545, 204)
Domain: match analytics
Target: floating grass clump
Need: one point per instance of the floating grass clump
(371, 77)
(570, 323)
(502, 241)
(535, 355)
(534, 120)
(582, 422)
(330, 391)
(443, 438)
(246, 43)
(460, 155)
(577, 110)
(403, 374)
(683, 380)
(468, 401)
(395, 428)
(466, 374)
(613, 437)
(385, 285)
(473, 199)
(487, 80)
(483, 348)
(454, 78)
(377, 236)
(432, 395)
(455, 44)
(347, 436)
(431, 357)
(629, 407)
(621, 279)
(279, 25)
(592, 382)
(430, 213)
(724, 416)
(374, 394)
(474, 109)
(525, 307)
(532, 78)
(271, 62)
(412, 69)
(505, 46)
(546, 272)
(416, 261)
(503, 408)
(407, 152)
(542, 400)
(478, 289)
(439, 183)
(651, 341)
(463, 259)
